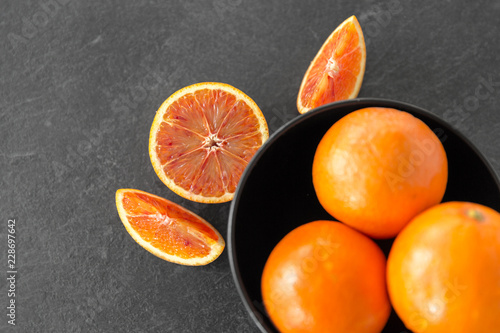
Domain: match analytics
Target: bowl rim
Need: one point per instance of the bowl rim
(378, 102)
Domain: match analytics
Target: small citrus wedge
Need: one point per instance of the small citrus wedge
(168, 230)
(337, 71)
(203, 137)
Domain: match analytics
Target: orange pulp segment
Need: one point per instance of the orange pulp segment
(202, 138)
(168, 230)
(337, 71)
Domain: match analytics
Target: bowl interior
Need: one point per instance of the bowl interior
(276, 194)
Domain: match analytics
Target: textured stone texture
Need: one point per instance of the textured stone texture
(80, 82)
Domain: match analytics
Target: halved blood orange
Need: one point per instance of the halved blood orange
(337, 71)
(203, 137)
(168, 230)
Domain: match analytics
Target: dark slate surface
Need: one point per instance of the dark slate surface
(80, 82)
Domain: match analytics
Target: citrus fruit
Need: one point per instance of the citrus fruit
(443, 271)
(168, 230)
(326, 277)
(202, 138)
(337, 71)
(377, 168)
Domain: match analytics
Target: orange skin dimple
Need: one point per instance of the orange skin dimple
(326, 277)
(376, 168)
(443, 270)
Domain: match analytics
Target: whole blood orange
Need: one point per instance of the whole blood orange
(202, 138)
(443, 271)
(168, 230)
(377, 168)
(337, 70)
(326, 277)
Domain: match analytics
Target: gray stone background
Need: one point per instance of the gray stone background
(80, 83)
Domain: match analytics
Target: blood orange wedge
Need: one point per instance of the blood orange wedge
(337, 71)
(202, 138)
(168, 230)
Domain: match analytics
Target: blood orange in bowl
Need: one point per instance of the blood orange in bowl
(202, 138)
(276, 193)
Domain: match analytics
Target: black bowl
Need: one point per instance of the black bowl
(276, 194)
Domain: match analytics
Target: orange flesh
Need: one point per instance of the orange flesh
(205, 141)
(167, 227)
(334, 74)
